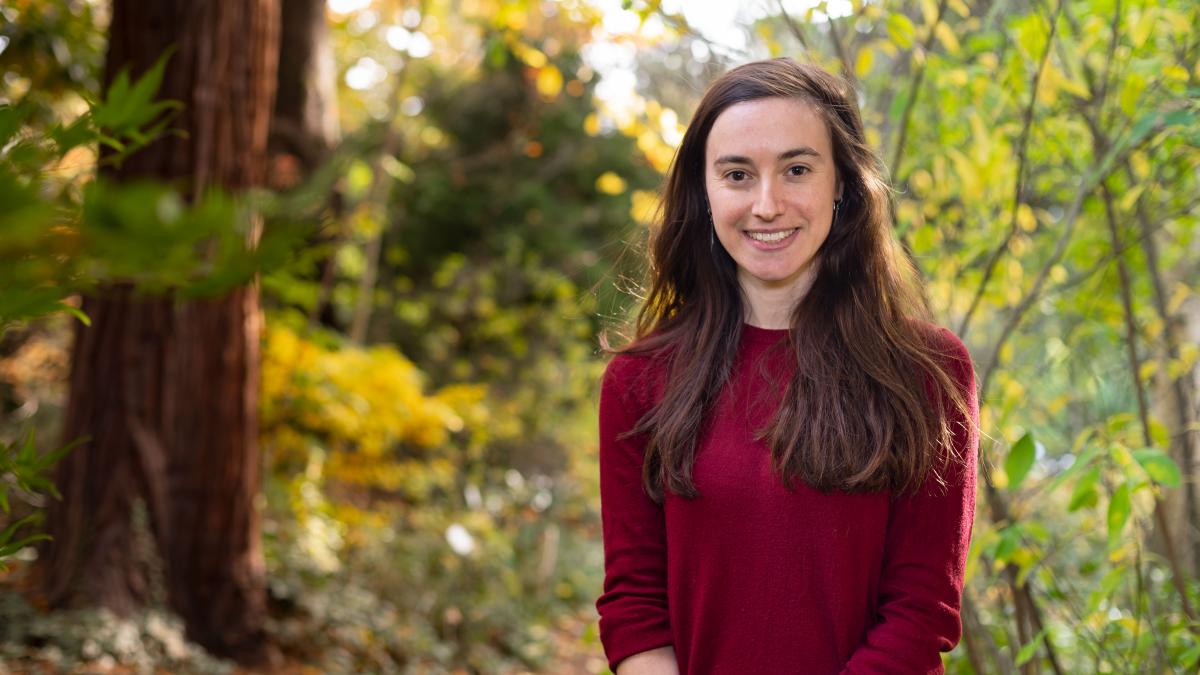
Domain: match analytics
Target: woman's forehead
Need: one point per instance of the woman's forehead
(769, 129)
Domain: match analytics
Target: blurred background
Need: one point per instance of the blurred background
(300, 306)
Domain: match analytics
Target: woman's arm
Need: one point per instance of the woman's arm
(659, 661)
(929, 533)
(633, 608)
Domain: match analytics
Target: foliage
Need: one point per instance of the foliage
(1039, 157)
(431, 484)
(386, 516)
(25, 472)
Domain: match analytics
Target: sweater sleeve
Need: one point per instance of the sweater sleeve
(633, 607)
(929, 532)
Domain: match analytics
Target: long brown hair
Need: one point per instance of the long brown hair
(857, 415)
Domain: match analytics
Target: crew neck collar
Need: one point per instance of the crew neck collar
(763, 335)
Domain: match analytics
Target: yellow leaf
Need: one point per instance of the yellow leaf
(532, 57)
(1180, 293)
(862, 65)
(960, 8)
(1175, 72)
(644, 204)
(1025, 218)
(1154, 328)
(1058, 403)
(1016, 271)
(591, 124)
(1147, 371)
(921, 182)
(1143, 25)
(549, 82)
(908, 213)
(610, 183)
(946, 36)
(1130, 198)
(1140, 164)
(929, 10)
(1018, 245)
(1014, 389)
(1072, 86)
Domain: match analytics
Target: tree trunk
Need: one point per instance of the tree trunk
(305, 129)
(167, 389)
(115, 386)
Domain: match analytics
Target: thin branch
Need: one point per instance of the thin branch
(794, 27)
(1018, 189)
(1143, 407)
(914, 89)
(843, 54)
(1180, 386)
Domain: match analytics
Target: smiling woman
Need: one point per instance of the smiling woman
(771, 209)
(787, 447)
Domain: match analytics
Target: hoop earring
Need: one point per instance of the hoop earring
(712, 238)
(837, 205)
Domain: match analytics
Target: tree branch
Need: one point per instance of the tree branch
(1160, 517)
(914, 89)
(1018, 188)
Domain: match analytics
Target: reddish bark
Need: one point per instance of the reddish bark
(167, 388)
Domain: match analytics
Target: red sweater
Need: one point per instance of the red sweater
(751, 578)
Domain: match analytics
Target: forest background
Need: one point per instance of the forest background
(300, 305)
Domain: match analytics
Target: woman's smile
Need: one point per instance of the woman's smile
(771, 186)
(770, 240)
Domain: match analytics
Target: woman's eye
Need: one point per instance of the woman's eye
(798, 170)
(736, 176)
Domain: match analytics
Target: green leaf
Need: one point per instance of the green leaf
(1010, 539)
(11, 531)
(1159, 466)
(1085, 494)
(1119, 508)
(1082, 461)
(28, 452)
(1191, 657)
(1020, 460)
(11, 119)
(76, 312)
(1028, 650)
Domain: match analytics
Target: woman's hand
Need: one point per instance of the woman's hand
(659, 661)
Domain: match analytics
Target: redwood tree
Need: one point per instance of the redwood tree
(165, 388)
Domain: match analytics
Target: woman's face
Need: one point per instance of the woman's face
(771, 182)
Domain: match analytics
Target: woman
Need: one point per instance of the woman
(787, 448)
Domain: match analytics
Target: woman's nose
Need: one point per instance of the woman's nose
(766, 202)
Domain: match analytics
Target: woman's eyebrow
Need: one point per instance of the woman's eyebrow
(802, 151)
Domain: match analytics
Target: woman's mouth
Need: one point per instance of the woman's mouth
(772, 238)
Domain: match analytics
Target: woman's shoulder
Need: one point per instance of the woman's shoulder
(637, 373)
(947, 348)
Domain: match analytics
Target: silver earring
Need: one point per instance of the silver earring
(837, 204)
(712, 239)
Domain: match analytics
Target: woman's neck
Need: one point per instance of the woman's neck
(770, 304)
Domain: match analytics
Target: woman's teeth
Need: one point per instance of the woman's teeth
(771, 236)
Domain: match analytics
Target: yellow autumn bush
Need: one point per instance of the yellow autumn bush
(360, 416)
